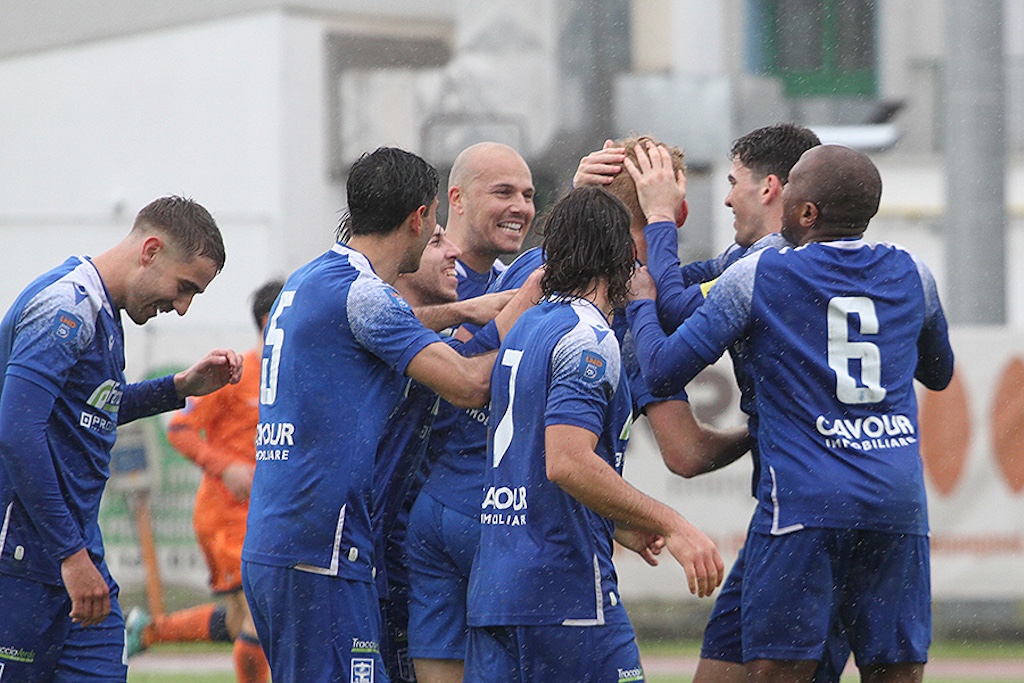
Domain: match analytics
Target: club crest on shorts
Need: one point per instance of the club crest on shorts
(362, 671)
(592, 366)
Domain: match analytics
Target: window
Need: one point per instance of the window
(819, 47)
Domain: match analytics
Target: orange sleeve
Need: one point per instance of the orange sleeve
(189, 428)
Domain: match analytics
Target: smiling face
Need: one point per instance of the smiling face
(493, 204)
(436, 281)
(166, 280)
(746, 198)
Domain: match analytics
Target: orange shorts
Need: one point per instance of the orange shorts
(219, 523)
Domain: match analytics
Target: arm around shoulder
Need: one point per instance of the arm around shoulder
(464, 382)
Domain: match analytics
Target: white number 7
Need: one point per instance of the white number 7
(503, 432)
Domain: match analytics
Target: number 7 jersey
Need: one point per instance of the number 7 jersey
(545, 558)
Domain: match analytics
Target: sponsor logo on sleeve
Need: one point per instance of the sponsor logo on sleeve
(397, 298)
(67, 325)
(592, 366)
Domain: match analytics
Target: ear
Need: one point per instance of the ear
(809, 214)
(151, 246)
(455, 199)
(415, 220)
(771, 188)
(684, 211)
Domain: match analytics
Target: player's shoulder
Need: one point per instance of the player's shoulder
(66, 300)
(519, 270)
(588, 345)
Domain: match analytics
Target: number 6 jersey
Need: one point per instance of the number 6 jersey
(836, 333)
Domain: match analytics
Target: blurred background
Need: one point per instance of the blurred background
(256, 108)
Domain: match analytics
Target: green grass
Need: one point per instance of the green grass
(941, 650)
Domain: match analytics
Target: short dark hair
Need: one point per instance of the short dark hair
(586, 237)
(383, 188)
(263, 300)
(189, 226)
(773, 150)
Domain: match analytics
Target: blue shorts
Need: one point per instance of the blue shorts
(42, 644)
(875, 585)
(582, 654)
(394, 643)
(723, 635)
(441, 543)
(315, 628)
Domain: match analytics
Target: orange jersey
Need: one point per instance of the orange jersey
(215, 431)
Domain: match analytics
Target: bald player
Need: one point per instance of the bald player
(840, 530)
(490, 199)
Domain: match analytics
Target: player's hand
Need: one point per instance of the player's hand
(641, 285)
(600, 167)
(217, 368)
(89, 593)
(481, 310)
(660, 189)
(237, 479)
(643, 543)
(698, 556)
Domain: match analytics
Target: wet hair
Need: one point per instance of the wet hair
(263, 300)
(384, 187)
(586, 237)
(773, 150)
(622, 185)
(188, 225)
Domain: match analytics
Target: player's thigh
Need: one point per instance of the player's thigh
(789, 595)
(441, 545)
(887, 598)
(315, 628)
(96, 654)
(536, 654)
(722, 636)
(222, 547)
(31, 644)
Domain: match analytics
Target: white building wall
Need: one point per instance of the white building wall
(229, 112)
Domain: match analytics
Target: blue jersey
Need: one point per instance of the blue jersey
(836, 333)
(455, 453)
(64, 335)
(397, 475)
(533, 259)
(545, 558)
(679, 297)
(337, 344)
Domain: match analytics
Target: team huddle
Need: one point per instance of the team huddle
(432, 476)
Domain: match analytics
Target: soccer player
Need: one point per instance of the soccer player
(399, 471)
(837, 329)
(218, 433)
(761, 161)
(543, 600)
(339, 342)
(491, 209)
(63, 396)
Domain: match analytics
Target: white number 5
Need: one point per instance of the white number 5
(275, 340)
(841, 350)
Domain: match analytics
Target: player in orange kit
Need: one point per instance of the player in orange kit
(218, 434)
